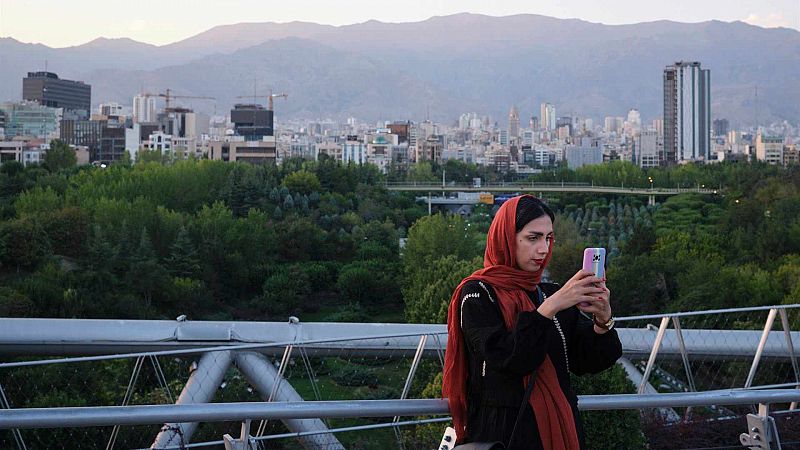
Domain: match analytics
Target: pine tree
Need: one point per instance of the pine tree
(145, 275)
(183, 261)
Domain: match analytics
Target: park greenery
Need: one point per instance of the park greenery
(321, 240)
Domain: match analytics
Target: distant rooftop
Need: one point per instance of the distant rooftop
(42, 75)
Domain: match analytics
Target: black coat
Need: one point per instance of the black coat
(498, 359)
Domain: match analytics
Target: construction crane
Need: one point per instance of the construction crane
(168, 95)
(268, 97)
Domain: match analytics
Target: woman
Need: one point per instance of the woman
(499, 333)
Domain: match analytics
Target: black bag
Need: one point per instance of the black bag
(528, 390)
(499, 445)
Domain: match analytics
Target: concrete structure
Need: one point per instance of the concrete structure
(790, 155)
(647, 149)
(31, 119)
(138, 135)
(11, 151)
(112, 144)
(252, 121)
(548, 117)
(86, 133)
(687, 113)
(331, 149)
(144, 109)
(769, 149)
(582, 156)
(46, 89)
(353, 150)
(513, 122)
(255, 152)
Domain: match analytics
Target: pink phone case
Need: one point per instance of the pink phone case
(594, 260)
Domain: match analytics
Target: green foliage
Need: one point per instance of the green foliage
(368, 283)
(353, 375)
(427, 291)
(285, 291)
(60, 156)
(302, 181)
(38, 201)
(567, 251)
(610, 429)
(23, 244)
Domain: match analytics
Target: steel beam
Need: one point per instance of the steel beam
(266, 379)
(201, 387)
(98, 416)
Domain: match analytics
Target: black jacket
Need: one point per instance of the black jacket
(498, 359)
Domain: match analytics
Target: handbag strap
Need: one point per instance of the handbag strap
(528, 390)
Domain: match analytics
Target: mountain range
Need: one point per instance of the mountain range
(437, 68)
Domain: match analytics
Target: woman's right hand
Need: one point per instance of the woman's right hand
(582, 287)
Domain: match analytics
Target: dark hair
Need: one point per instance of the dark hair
(529, 208)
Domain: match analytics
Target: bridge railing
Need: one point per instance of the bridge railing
(532, 185)
(210, 363)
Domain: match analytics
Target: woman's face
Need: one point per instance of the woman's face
(533, 243)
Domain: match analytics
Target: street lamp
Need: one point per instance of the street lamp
(650, 179)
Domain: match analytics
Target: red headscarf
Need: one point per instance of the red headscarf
(552, 410)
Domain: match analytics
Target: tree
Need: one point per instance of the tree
(434, 237)
(145, 155)
(60, 156)
(427, 293)
(23, 244)
(302, 181)
(567, 250)
(183, 261)
(145, 275)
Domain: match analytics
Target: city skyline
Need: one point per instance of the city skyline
(91, 19)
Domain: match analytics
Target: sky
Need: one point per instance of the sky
(63, 23)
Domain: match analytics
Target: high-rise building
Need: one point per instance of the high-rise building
(45, 88)
(633, 124)
(513, 123)
(144, 109)
(721, 127)
(647, 149)
(31, 119)
(110, 109)
(534, 123)
(687, 113)
(252, 121)
(548, 117)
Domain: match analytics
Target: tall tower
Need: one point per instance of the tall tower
(548, 117)
(513, 123)
(687, 113)
(144, 109)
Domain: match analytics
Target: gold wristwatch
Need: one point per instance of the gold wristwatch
(606, 326)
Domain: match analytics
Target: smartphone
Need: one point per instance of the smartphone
(594, 260)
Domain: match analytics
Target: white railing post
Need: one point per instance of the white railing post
(790, 346)
(676, 323)
(763, 342)
(653, 353)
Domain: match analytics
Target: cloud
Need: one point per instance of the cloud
(772, 20)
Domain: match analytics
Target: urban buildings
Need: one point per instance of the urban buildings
(252, 121)
(28, 118)
(513, 123)
(144, 109)
(548, 117)
(769, 149)
(46, 89)
(687, 113)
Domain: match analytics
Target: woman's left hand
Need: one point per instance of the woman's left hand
(600, 307)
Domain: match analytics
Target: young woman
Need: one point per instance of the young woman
(504, 325)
